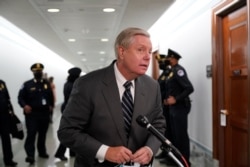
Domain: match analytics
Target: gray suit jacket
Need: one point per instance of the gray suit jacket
(93, 116)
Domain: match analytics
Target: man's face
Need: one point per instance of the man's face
(136, 58)
(172, 61)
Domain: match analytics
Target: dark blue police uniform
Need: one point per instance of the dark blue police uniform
(164, 66)
(179, 86)
(5, 107)
(37, 94)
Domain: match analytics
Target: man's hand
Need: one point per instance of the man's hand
(169, 101)
(27, 109)
(142, 156)
(118, 154)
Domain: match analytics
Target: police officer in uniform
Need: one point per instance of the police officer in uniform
(178, 89)
(36, 99)
(166, 69)
(5, 107)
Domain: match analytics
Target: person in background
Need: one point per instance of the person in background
(166, 69)
(74, 73)
(178, 89)
(36, 99)
(45, 76)
(5, 107)
(100, 122)
(53, 87)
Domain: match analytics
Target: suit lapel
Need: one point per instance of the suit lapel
(140, 99)
(111, 95)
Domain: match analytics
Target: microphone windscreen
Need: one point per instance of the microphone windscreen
(142, 120)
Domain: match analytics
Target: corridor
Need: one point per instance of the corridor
(197, 159)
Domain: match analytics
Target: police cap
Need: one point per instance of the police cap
(37, 67)
(173, 54)
(75, 71)
(160, 57)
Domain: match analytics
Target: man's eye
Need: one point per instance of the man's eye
(140, 50)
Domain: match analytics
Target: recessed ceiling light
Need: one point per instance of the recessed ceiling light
(102, 52)
(108, 10)
(80, 52)
(71, 40)
(84, 59)
(104, 39)
(53, 10)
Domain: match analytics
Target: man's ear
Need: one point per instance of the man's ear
(121, 52)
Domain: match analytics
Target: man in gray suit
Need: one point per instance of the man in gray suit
(92, 124)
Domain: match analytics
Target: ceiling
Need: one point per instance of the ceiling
(84, 21)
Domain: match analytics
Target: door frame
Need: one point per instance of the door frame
(218, 12)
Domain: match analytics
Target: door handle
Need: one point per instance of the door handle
(223, 117)
(225, 112)
(237, 72)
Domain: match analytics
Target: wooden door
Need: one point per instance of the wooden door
(231, 87)
(235, 112)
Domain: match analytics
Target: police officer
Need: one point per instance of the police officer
(178, 89)
(166, 69)
(5, 107)
(36, 99)
(74, 73)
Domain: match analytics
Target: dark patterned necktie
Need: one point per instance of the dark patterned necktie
(127, 106)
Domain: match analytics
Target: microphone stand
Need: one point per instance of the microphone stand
(168, 149)
(166, 144)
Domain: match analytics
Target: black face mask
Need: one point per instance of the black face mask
(162, 66)
(38, 75)
(167, 62)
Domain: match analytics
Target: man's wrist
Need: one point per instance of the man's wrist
(100, 155)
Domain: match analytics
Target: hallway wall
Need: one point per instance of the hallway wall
(18, 52)
(186, 28)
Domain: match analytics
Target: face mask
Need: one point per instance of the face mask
(167, 62)
(38, 75)
(162, 66)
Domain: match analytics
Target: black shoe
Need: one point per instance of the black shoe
(11, 164)
(62, 158)
(30, 160)
(161, 156)
(45, 155)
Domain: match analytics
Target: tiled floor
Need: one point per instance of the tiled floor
(52, 143)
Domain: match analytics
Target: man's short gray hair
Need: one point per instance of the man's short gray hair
(125, 38)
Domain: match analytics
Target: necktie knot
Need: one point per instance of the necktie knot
(127, 84)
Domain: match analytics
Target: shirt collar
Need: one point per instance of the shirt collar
(119, 77)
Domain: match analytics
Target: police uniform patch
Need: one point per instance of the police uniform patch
(180, 73)
(170, 75)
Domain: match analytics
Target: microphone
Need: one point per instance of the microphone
(143, 121)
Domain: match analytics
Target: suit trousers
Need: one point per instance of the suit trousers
(179, 128)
